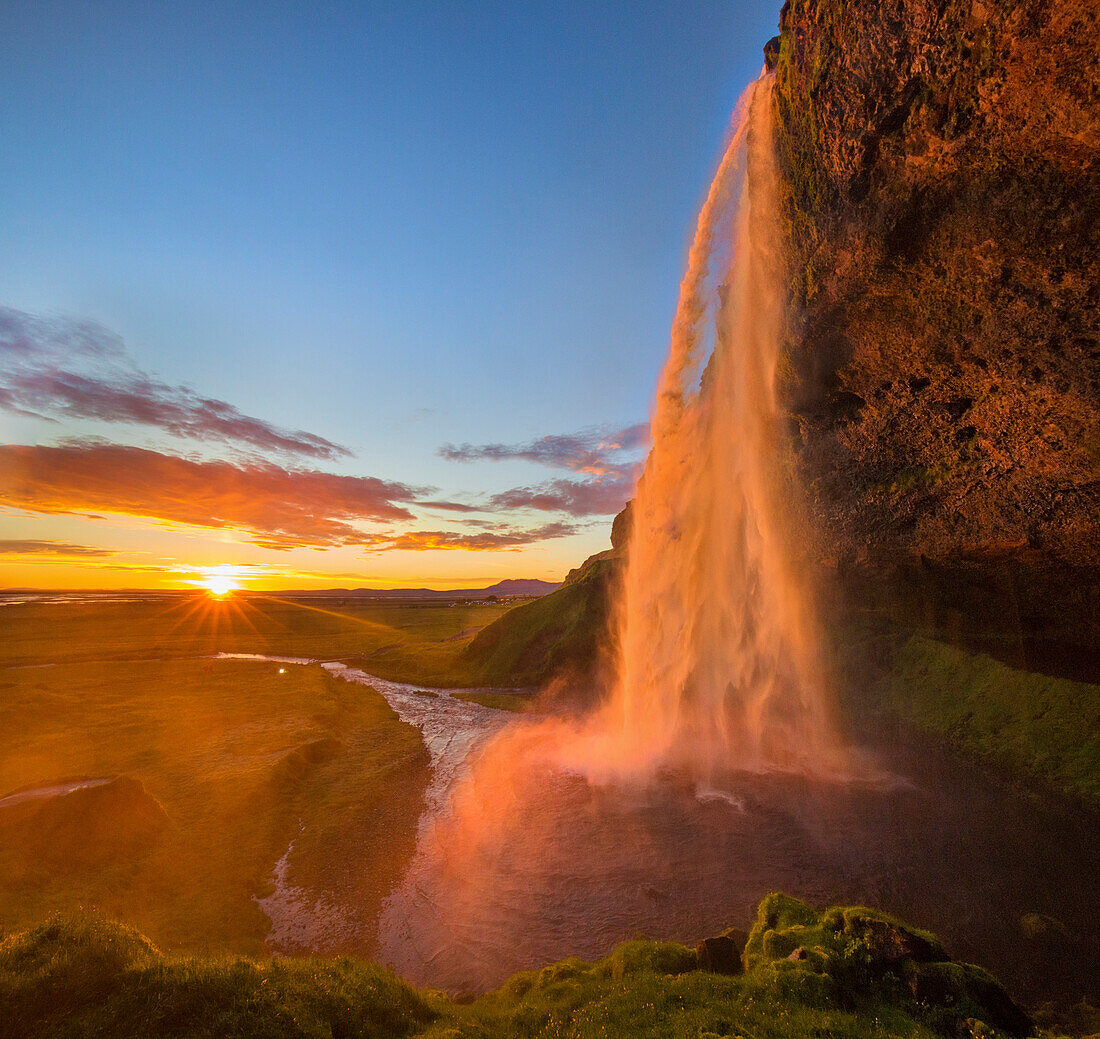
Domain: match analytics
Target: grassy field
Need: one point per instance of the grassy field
(235, 759)
(240, 757)
(413, 642)
(843, 974)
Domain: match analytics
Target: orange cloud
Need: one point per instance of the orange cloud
(24, 547)
(434, 540)
(276, 507)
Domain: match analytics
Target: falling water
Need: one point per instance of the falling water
(718, 665)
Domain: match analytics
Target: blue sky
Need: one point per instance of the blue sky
(393, 226)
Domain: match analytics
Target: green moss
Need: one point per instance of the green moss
(1033, 725)
(640, 955)
(776, 913)
(560, 631)
(81, 976)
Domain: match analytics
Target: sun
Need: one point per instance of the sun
(219, 585)
(218, 581)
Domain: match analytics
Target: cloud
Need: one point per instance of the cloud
(451, 506)
(56, 338)
(599, 497)
(276, 507)
(590, 451)
(51, 548)
(56, 367)
(435, 540)
(601, 454)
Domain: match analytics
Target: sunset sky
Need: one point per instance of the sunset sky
(342, 294)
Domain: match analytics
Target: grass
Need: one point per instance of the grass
(238, 755)
(1032, 725)
(242, 756)
(82, 976)
(421, 642)
(558, 632)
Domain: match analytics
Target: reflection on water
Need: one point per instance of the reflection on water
(55, 790)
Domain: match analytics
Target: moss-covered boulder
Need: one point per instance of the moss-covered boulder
(855, 954)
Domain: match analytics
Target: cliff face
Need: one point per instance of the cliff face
(943, 210)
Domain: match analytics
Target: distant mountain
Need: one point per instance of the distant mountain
(522, 586)
(510, 587)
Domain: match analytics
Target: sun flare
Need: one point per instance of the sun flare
(220, 586)
(218, 581)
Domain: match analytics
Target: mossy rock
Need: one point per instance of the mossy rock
(854, 954)
(953, 991)
(778, 913)
(888, 940)
(657, 957)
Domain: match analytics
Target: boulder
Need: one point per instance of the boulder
(889, 942)
(965, 991)
(719, 955)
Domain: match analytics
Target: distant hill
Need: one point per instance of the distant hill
(510, 587)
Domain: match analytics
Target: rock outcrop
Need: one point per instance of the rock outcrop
(942, 205)
(850, 953)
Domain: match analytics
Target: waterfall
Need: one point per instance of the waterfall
(717, 654)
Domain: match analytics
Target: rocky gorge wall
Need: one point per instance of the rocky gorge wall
(942, 204)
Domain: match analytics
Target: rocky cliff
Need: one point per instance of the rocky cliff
(942, 184)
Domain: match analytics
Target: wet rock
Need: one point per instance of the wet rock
(719, 955)
(799, 954)
(941, 176)
(771, 53)
(889, 942)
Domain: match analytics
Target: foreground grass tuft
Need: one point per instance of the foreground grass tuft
(81, 976)
(845, 973)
